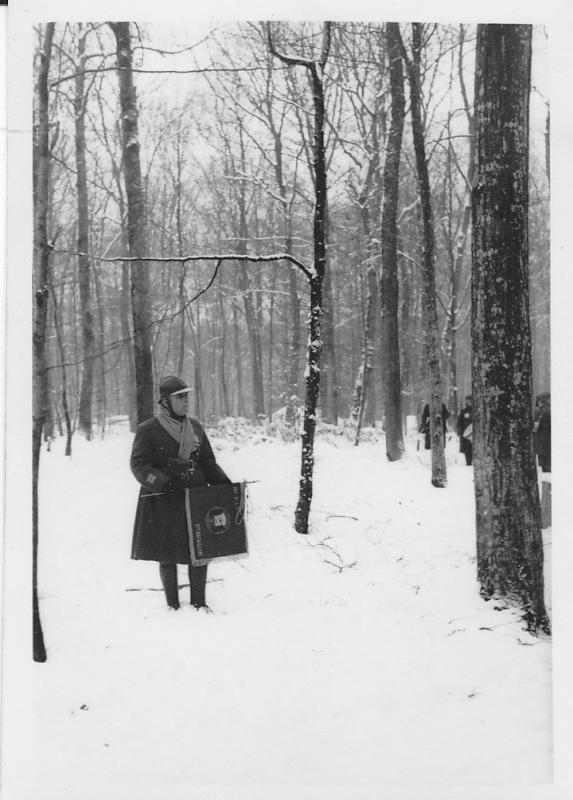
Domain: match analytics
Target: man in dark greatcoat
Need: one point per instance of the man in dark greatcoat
(171, 453)
(464, 430)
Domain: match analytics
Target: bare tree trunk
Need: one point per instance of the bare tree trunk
(128, 346)
(127, 355)
(238, 362)
(312, 377)
(136, 224)
(88, 338)
(291, 391)
(292, 398)
(258, 407)
(50, 422)
(197, 359)
(329, 372)
(363, 381)
(253, 328)
(223, 378)
(408, 347)
(102, 392)
(432, 348)
(389, 295)
(62, 357)
(181, 304)
(183, 266)
(508, 519)
(271, 354)
(315, 344)
(457, 261)
(41, 295)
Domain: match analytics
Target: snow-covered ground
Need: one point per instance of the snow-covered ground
(360, 655)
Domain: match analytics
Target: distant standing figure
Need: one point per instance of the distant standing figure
(542, 429)
(464, 430)
(425, 424)
(171, 453)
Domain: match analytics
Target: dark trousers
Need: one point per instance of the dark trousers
(197, 582)
(468, 453)
(466, 448)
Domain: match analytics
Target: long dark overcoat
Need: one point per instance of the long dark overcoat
(160, 529)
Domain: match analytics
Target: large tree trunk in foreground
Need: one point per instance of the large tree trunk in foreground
(136, 225)
(40, 321)
(509, 543)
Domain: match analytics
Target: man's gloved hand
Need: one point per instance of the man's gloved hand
(180, 467)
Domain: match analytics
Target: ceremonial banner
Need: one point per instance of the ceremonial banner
(216, 522)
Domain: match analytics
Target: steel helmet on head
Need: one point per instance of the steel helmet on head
(172, 385)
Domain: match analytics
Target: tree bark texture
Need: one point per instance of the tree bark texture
(509, 543)
(329, 372)
(128, 353)
(389, 296)
(223, 378)
(292, 370)
(292, 396)
(101, 393)
(454, 320)
(88, 336)
(241, 411)
(62, 355)
(253, 327)
(312, 373)
(432, 349)
(255, 343)
(40, 320)
(364, 379)
(136, 225)
(315, 344)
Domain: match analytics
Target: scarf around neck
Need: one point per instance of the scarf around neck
(181, 430)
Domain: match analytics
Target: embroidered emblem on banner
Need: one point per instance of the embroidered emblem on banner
(217, 520)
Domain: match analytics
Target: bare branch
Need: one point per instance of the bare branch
(184, 259)
(199, 70)
(292, 60)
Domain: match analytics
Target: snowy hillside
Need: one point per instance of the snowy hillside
(359, 655)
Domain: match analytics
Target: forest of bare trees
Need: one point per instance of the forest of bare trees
(227, 167)
(280, 212)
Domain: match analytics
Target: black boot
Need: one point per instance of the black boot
(197, 582)
(168, 575)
